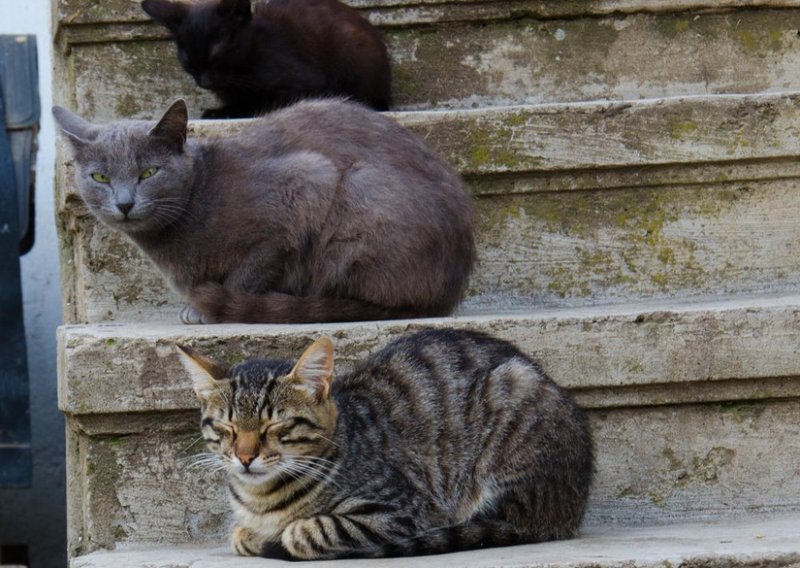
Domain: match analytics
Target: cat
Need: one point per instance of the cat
(323, 211)
(442, 440)
(276, 53)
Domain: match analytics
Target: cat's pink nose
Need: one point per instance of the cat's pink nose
(246, 459)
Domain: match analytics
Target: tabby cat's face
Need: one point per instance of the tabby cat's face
(132, 175)
(263, 417)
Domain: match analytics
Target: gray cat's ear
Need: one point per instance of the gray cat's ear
(237, 9)
(206, 374)
(168, 14)
(171, 129)
(78, 131)
(314, 370)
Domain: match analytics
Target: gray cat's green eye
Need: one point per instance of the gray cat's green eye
(101, 178)
(149, 172)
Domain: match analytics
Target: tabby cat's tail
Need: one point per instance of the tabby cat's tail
(468, 536)
(222, 305)
(474, 535)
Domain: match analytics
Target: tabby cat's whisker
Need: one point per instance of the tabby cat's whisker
(305, 470)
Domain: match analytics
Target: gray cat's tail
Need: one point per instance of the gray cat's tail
(222, 305)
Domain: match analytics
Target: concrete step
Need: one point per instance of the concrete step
(578, 204)
(467, 53)
(695, 409)
(758, 542)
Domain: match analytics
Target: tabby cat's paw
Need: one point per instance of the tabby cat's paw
(192, 316)
(303, 540)
(246, 542)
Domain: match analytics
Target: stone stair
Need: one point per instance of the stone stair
(754, 544)
(633, 164)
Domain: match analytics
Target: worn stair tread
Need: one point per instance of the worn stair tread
(748, 542)
(726, 349)
(466, 53)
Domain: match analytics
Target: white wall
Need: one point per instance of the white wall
(36, 516)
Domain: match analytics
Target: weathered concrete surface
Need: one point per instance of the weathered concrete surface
(695, 411)
(578, 204)
(472, 53)
(752, 543)
(654, 465)
(122, 368)
(81, 12)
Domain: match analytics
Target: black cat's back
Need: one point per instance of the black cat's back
(337, 39)
(260, 57)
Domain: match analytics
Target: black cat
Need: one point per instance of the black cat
(274, 54)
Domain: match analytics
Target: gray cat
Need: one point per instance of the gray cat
(443, 440)
(324, 211)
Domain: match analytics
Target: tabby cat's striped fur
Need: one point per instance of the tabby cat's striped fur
(442, 440)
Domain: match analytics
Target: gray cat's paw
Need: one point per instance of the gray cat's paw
(191, 316)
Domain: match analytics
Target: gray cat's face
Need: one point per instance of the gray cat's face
(134, 176)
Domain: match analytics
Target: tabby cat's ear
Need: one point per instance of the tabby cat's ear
(171, 129)
(205, 373)
(78, 131)
(314, 370)
(237, 9)
(168, 14)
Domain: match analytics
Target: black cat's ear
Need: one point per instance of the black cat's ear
(313, 372)
(171, 129)
(168, 14)
(206, 374)
(78, 131)
(238, 9)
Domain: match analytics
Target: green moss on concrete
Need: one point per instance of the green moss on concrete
(680, 129)
(748, 40)
(621, 241)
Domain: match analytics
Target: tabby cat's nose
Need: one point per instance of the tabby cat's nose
(125, 207)
(246, 459)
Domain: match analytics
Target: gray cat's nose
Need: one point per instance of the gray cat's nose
(125, 208)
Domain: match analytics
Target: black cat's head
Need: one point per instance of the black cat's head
(206, 35)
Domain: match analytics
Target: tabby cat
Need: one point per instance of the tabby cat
(443, 440)
(273, 54)
(323, 211)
